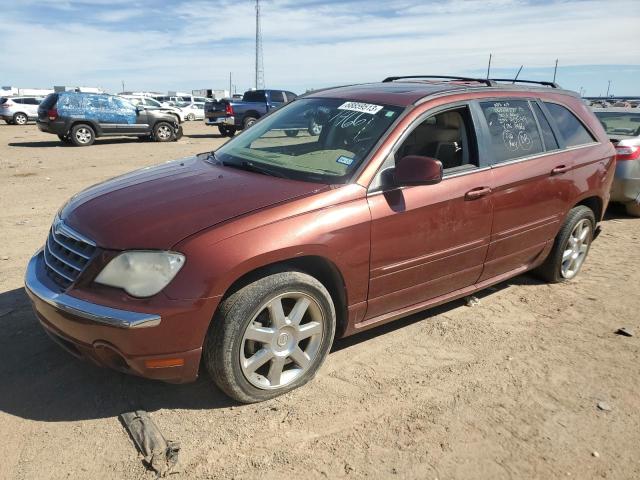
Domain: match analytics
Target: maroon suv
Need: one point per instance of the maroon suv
(410, 193)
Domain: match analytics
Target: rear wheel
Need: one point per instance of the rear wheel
(570, 247)
(162, 132)
(249, 122)
(20, 119)
(82, 135)
(191, 117)
(227, 131)
(291, 133)
(633, 209)
(270, 336)
(64, 139)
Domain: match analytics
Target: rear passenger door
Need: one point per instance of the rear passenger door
(430, 240)
(529, 183)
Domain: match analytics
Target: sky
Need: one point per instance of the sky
(161, 45)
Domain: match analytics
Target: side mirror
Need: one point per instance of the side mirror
(417, 170)
(139, 108)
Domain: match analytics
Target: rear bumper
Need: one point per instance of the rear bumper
(125, 340)
(227, 121)
(57, 128)
(626, 183)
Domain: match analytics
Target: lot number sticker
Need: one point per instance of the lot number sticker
(361, 107)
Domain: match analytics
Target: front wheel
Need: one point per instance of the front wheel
(249, 122)
(162, 132)
(270, 337)
(64, 139)
(291, 133)
(570, 247)
(191, 117)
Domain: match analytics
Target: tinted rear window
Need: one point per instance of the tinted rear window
(257, 96)
(573, 131)
(2, 100)
(620, 123)
(49, 101)
(549, 138)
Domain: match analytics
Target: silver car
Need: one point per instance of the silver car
(623, 127)
(19, 110)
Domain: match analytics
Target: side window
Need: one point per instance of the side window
(277, 97)
(18, 100)
(446, 136)
(290, 96)
(150, 103)
(550, 142)
(513, 132)
(571, 129)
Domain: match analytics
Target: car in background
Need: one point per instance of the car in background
(623, 128)
(250, 260)
(622, 104)
(149, 103)
(19, 110)
(192, 111)
(233, 115)
(80, 118)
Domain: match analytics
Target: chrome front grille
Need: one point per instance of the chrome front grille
(66, 254)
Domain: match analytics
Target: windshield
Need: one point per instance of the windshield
(620, 123)
(312, 139)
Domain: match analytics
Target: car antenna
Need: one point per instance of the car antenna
(517, 74)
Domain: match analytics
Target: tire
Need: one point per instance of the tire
(291, 133)
(20, 119)
(227, 131)
(163, 132)
(558, 267)
(82, 135)
(290, 362)
(314, 128)
(633, 209)
(8, 122)
(249, 122)
(191, 117)
(178, 134)
(64, 139)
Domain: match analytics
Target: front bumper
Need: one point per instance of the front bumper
(146, 344)
(626, 182)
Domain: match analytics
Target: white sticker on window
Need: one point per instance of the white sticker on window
(361, 107)
(344, 160)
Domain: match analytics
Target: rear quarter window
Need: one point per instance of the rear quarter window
(571, 129)
(513, 132)
(49, 101)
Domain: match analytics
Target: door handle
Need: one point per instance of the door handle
(560, 169)
(477, 193)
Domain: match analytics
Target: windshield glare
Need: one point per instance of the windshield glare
(620, 123)
(313, 139)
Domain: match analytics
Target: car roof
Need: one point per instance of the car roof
(405, 93)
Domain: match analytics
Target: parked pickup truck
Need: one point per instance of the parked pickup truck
(233, 115)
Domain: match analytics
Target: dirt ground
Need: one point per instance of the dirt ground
(506, 389)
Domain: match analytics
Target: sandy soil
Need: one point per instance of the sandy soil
(507, 389)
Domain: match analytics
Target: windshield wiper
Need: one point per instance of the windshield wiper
(252, 167)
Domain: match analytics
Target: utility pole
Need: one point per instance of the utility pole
(230, 92)
(608, 88)
(555, 71)
(259, 57)
(489, 66)
(123, 86)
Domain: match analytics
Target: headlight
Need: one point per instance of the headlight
(141, 273)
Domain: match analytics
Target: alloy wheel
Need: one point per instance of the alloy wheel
(282, 341)
(83, 135)
(164, 132)
(21, 119)
(576, 249)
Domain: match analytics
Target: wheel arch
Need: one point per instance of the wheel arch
(250, 113)
(595, 203)
(317, 266)
(94, 125)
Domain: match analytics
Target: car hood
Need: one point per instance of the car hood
(156, 207)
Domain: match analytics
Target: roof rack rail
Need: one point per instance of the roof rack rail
(487, 81)
(539, 82)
